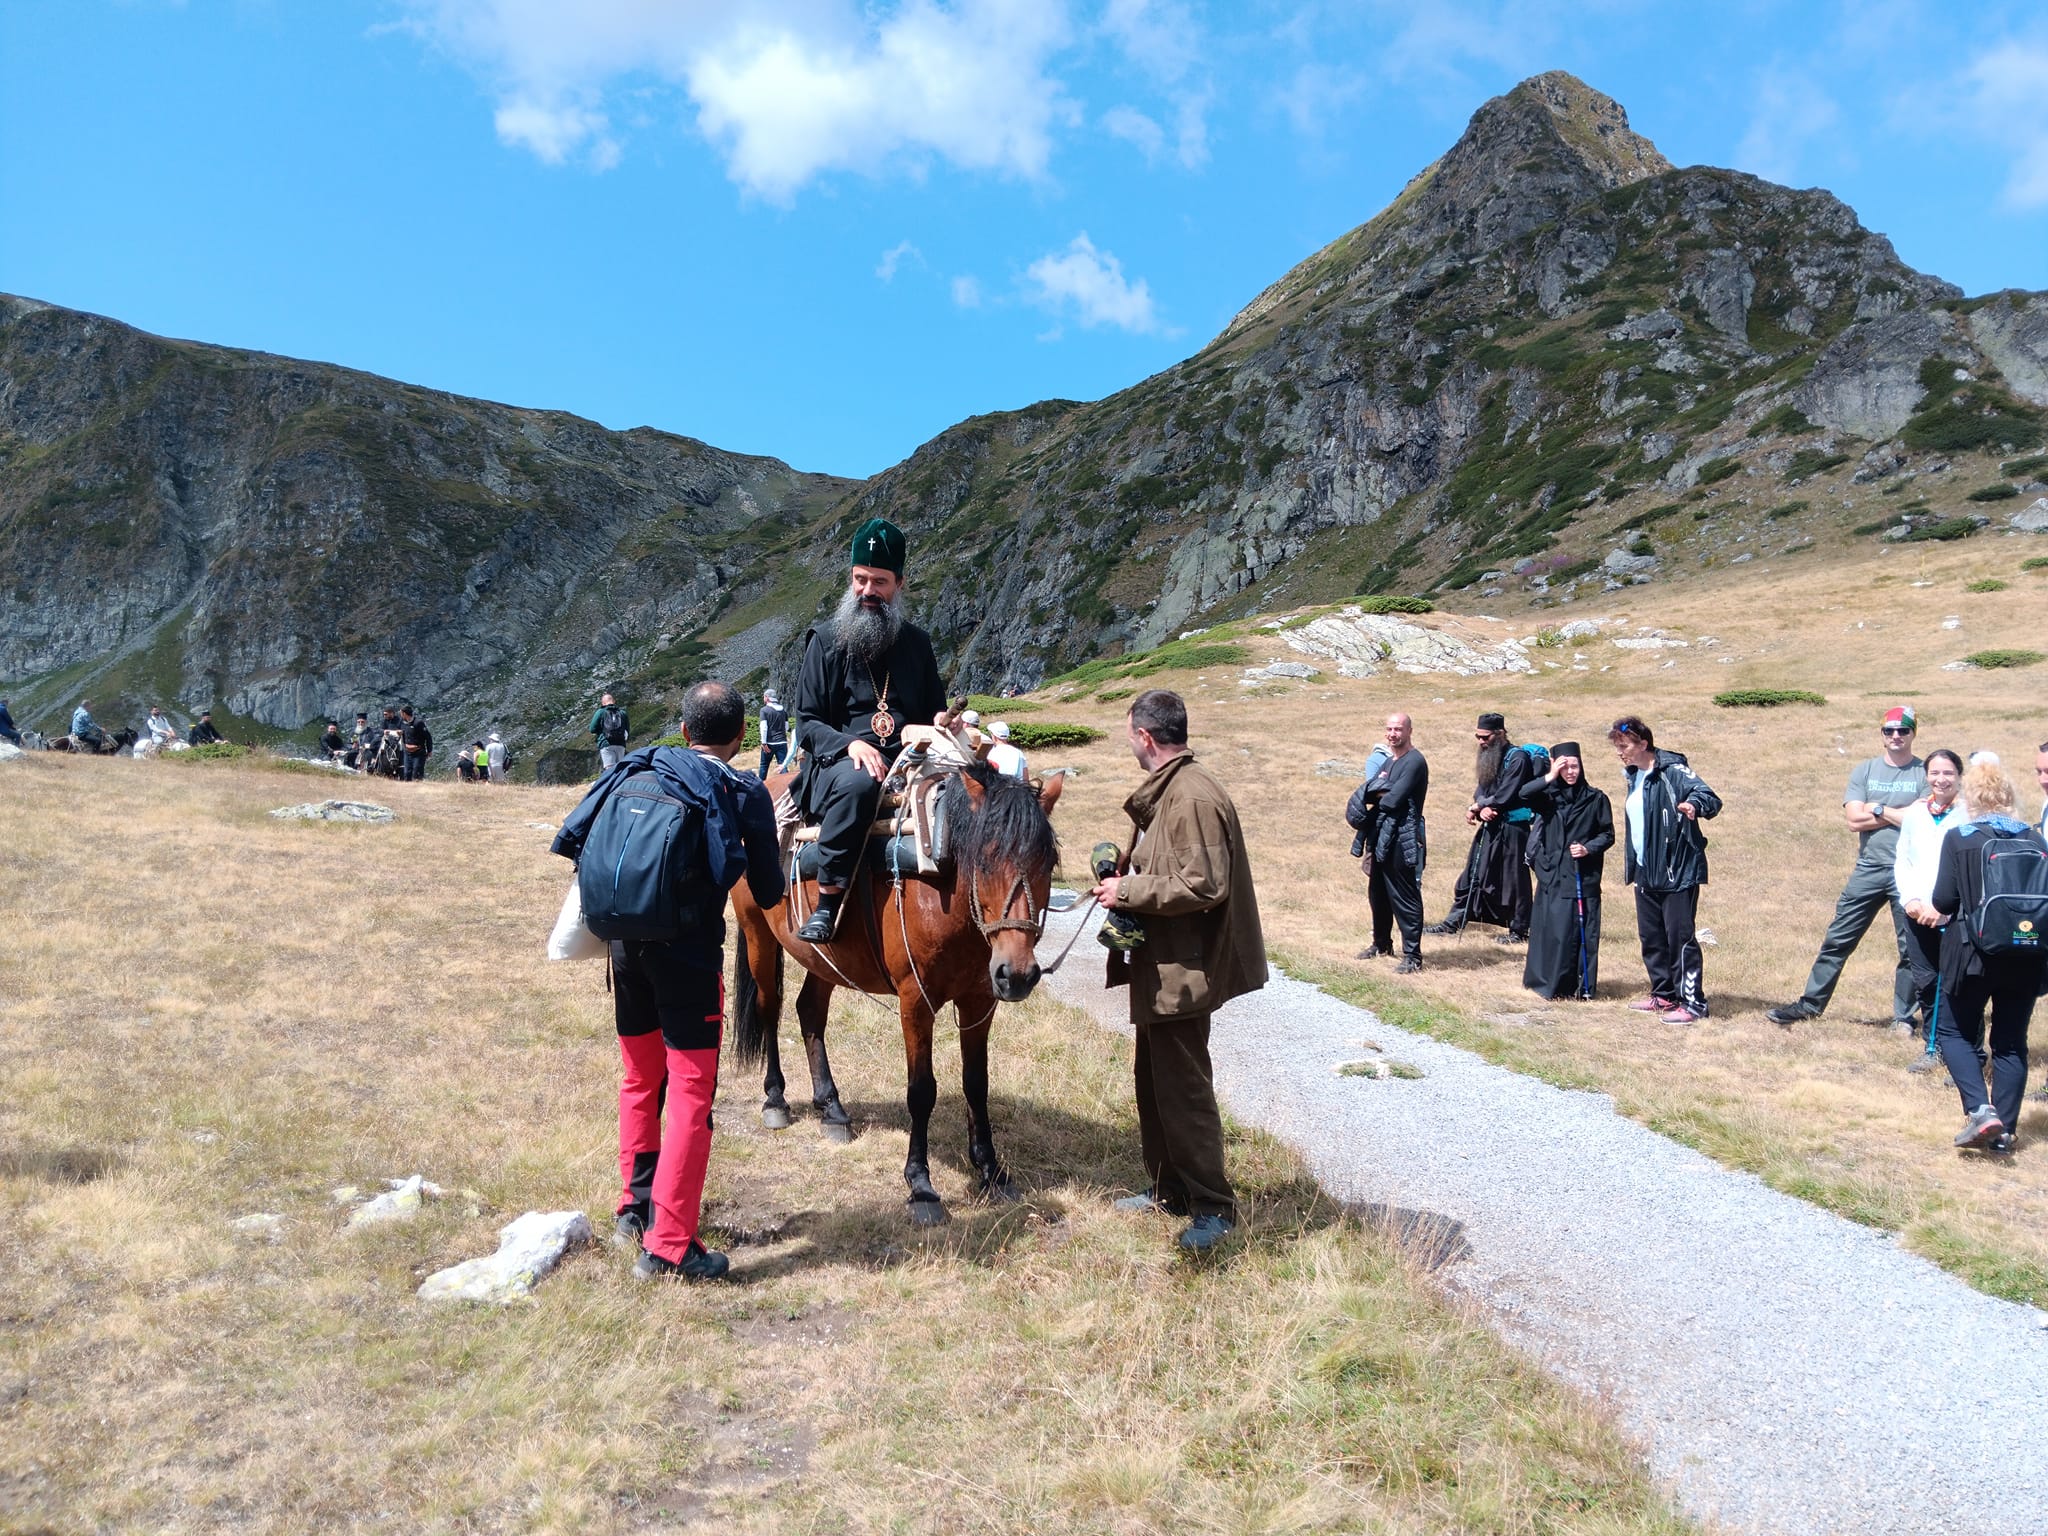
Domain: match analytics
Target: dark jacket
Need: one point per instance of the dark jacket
(739, 829)
(1567, 814)
(774, 726)
(415, 735)
(1959, 889)
(610, 725)
(1190, 886)
(836, 695)
(1674, 847)
(330, 741)
(1393, 827)
(7, 729)
(1504, 794)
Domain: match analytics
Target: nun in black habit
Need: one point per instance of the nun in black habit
(1574, 828)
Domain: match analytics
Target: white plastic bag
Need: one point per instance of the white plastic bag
(571, 940)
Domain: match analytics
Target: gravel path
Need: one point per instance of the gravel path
(1789, 1371)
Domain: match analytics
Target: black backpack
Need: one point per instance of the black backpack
(2012, 915)
(614, 723)
(643, 873)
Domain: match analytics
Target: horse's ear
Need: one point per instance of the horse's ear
(1049, 789)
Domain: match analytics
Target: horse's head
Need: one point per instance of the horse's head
(1004, 848)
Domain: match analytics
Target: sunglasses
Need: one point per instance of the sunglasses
(1896, 730)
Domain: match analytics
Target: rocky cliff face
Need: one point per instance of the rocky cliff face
(191, 525)
(1548, 319)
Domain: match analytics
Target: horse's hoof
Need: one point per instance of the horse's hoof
(775, 1116)
(836, 1131)
(927, 1213)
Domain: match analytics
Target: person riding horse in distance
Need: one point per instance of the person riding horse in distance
(865, 676)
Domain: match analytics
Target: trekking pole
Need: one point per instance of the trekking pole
(1933, 1015)
(1579, 883)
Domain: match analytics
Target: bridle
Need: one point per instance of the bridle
(1033, 921)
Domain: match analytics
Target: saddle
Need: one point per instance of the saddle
(908, 835)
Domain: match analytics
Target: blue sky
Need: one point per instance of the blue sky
(827, 229)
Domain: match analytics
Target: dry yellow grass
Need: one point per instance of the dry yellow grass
(1826, 1111)
(205, 1013)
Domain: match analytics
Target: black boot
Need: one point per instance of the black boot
(818, 928)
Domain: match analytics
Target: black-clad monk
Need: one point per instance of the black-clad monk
(865, 676)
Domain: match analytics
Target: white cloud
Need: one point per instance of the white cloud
(1090, 284)
(1790, 112)
(788, 90)
(967, 292)
(1134, 127)
(894, 257)
(2003, 93)
(1161, 37)
(1316, 94)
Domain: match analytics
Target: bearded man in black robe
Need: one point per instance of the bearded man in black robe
(1494, 887)
(865, 676)
(1568, 844)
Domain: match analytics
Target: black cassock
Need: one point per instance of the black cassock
(1563, 961)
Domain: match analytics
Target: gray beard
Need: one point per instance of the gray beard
(865, 634)
(1486, 765)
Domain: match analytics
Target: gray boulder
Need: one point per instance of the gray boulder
(1868, 380)
(528, 1248)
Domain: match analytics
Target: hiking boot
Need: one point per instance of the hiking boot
(1148, 1200)
(1791, 1013)
(629, 1227)
(1374, 952)
(817, 928)
(1926, 1061)
(1981, 1129)
(1510, 940)
(1445, 929)
(1653, 1004)
(2006, 1143)
(699, 1263)
(1408, 967)
(1903, 1027)
(1680, 1014)
(1204, 1233)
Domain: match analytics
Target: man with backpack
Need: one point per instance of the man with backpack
(1881, 790)
(774, 731)
(1991, 887)
(612, 731)
(658, 841)
(1494, 887)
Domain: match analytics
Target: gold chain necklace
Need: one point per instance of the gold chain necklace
(882, 723)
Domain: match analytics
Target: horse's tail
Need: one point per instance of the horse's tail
(750, 1030)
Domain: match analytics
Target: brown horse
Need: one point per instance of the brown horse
(966, 938)
(111, 742)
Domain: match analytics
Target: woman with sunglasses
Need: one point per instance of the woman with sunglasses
(1921, 828)
(1664, 856)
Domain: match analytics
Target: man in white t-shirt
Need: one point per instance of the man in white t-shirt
(1003, 757)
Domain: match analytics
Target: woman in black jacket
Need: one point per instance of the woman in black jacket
(1989, 971)
(1574, 829)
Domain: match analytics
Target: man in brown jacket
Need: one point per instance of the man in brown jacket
(1189, 885)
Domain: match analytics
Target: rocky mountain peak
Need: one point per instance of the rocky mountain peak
(1593, 127)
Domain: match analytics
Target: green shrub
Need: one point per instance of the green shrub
(1946, 531)
(1395, 604)
(1654, 515)
(1111, 695)
(1955, 428)
(1574, 571)
(2009, 658)
(1986, 584)
(1716, 470)
(211, 752)
(2019, 468)
(1811, 461)
(1876, 527)
(1789, 509)
(1787, 419)
(1766, 698)
(2038, 563)
(1641, 545)
(989, 705)
(1032, 734)
(1999, 492)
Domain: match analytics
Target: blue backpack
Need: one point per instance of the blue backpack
(1539, 765)
(644, 873)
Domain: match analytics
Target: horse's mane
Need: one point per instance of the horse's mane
(1009, 827)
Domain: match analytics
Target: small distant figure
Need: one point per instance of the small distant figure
(158, 733)
(465, 764)
(418, 744)
(1003, 757)
(204, 734)
(1494, 887)
(1393, 843)
(86, 729)
(7, 729)
(332, 744)
(1664, 857)
(612, 730)
(494, 757)
(363, 746)
(774, 731)
(1568, 843)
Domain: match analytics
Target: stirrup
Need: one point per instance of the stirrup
(823, 923)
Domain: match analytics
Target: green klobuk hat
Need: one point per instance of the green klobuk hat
(878, 543)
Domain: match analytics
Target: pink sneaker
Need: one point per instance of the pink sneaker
(1652, 1004)
(1678, 1013)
